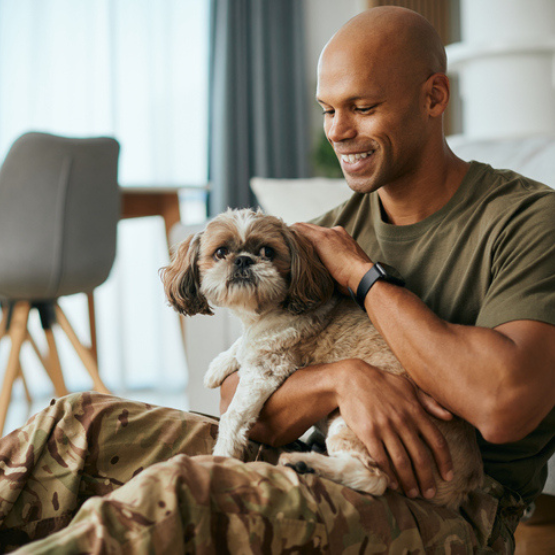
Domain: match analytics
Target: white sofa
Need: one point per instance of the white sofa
(302, 199)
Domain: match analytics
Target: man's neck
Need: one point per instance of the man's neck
(425, 191)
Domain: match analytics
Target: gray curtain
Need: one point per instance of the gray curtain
(258, 97)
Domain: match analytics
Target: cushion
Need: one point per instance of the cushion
(299, 200)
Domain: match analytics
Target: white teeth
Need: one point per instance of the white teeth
(352, 158)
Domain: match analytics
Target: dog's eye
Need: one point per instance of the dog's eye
(267, 252)
(221, 253)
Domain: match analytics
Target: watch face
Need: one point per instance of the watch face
(389, 273)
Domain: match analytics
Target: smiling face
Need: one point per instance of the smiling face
(376, 130)
(374, 86)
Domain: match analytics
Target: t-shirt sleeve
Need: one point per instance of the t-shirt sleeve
(523, 268)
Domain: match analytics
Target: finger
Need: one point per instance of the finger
(402, 464)
(377, 452)
(422, 463)
(439, 449)
(306, 228)
(432, 406)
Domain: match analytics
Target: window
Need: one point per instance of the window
(136, 70)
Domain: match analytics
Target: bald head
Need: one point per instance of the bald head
(399, 38)
(383, 89)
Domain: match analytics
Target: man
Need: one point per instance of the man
(383, 90)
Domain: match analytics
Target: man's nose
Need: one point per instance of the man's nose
(341, 128)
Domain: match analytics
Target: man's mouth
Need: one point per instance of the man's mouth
(357, 157)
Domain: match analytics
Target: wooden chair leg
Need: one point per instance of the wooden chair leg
(51, 365)
(54, 368)
(92, 325)
(17, 332)
(84, 353)
(37, 351)
(21, 376)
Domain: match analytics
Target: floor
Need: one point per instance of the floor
(537, 536)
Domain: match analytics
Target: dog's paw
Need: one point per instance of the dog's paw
(219, 369)
(342, 469)
(296, 462)
(212, 379)
(228, 449)
(300, 467)
(215, 375)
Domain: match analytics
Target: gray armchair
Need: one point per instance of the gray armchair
(59, 208)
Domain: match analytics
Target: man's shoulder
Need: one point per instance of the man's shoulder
(506, 181)
(508, 192)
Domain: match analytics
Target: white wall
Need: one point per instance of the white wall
(505, 67)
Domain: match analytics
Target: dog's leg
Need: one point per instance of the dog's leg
(343, 468)
(252, 392)
(222, 366)
(348, 462)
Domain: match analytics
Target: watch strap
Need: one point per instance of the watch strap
(376, 272)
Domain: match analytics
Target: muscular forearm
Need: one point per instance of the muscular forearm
(305, 397)
(478, 373)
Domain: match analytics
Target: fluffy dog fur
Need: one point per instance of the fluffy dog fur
(272, 279)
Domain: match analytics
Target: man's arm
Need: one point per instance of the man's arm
(500, 380)
(377, 406)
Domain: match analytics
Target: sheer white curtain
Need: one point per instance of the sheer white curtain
(135, 70)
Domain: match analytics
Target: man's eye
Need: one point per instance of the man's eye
(366, 109)
(328, 112)
(221, 253)
(267, 252)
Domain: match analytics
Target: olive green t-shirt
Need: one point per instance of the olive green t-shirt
(486, 258)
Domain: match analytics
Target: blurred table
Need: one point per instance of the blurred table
(141, 202)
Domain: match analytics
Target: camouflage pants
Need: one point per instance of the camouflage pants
(96, 474)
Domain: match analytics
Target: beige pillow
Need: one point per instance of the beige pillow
(299, 200)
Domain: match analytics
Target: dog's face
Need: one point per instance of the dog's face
(246, 261)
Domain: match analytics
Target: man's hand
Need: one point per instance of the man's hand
(339, 252)
(387, 414)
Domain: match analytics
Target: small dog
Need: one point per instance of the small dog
(270, 276)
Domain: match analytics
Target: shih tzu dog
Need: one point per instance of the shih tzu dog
(270, 276)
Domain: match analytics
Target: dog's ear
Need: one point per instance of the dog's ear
(311, 283)
(181, 279)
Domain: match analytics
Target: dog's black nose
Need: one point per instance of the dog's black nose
(243, 262)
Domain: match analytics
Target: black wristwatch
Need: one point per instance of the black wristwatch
(378, 271)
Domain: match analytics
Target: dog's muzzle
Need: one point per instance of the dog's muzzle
(242, 271)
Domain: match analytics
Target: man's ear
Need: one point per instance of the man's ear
(311, 283)
(438, 92)
(181, 279)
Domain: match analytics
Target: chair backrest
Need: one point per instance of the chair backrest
(59, 208)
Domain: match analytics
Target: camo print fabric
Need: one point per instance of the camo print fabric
(96, 474)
